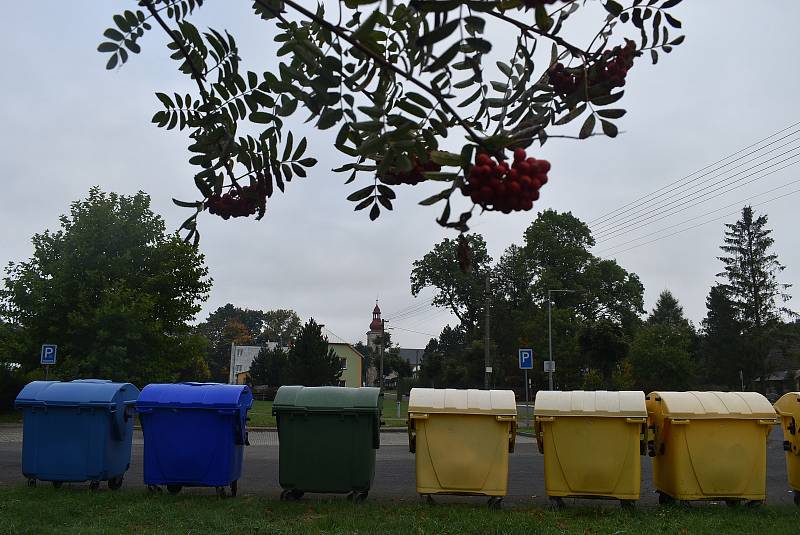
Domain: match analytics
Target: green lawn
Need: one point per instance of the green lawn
(78, 511)
(261, 413)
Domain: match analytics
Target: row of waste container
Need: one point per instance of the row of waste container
(705, 445)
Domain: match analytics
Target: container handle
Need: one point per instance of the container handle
(412, 437)
(502, 418)
(767, 421)
(538, 431)
(418, 416)
(512, 435)
(545, 418)
(636, 420)
(680, 422)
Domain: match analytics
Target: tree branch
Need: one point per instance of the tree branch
(536, 31)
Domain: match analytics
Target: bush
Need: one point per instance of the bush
(11, 382)
(265, 393)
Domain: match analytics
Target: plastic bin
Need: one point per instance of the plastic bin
(77, 431)
(788, 409)
(592, 442)
(328, 436)
(462, 439)
(194, 435)
(709, 445)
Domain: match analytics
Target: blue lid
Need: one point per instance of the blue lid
(78, 393)
(195, 396)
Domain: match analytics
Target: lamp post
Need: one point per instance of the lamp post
(550, 328)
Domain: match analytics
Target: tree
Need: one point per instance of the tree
(667, 311)
(463, 292)
(311, 361)
(395, 79)
(661, 359)
(280, 325)
(113, 290)
(225, 326)
(722, 342)
(269, 367)
(750, 272)
(603, 347)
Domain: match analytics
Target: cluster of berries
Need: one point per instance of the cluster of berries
(242, 202)
(607, 73)
(414, 176)
(498, 186)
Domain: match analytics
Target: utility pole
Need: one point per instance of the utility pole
(380, 350)
(486, 342)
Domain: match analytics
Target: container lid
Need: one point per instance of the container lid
(78, 393)
(789, 404)
(601, 403)
(327, 399)
(195, 396)
(713, 405)
(452, 401)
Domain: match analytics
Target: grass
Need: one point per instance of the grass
(261, 413)
(76, 510)
(11, 417)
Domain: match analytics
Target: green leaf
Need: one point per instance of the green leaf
(301, 148)
(675, 23)
(588, 127)
(611, 113)
(419, 99)
(607, 99)
(363, 193)
(308, 162)
(670, 3)
(329, 118)
(437, 34)
(575, 112)
(187, 204)
(479, 45)
(261, 117)
(444, 60)
(411, 108)
(433, 199)
(609, 128)
(445, 158)
(374, 212)
(440, 176)
(107, 47)
(613, 7)
(543, 20)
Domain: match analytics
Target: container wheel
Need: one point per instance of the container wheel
(234, 488)
(94, 485)
(557, 502)
(295, 494)
(755, 503)
(115, 483)
(284, 494)
(732, 503)
(57, 484)
(686, 504)
(31, 482)
(221, 492)
(153, 488)
(627, 504)
(360, 497)
(665, 499)
(797, 497)
(174, 489)
(495, 502)
(429, 499)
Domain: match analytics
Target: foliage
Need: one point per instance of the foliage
(722, 349)
(463, 292)
(593, 380)
(661, 359)
(113, 290)
(311, 362)
(280, 325)
(269, 367)
(602, 347)
(394, 79)
(667, 311)
(392, 362)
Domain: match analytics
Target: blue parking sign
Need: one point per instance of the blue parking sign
(526, 359)
(48, 353)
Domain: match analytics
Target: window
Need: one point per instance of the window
(343, 363)
(238, 368)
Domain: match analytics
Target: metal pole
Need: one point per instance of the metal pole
(486, 343)
(550, 334)
(527, 400)
(232, 372)
(47, 372)
(380, 349)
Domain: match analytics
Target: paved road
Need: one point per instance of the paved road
(395, 476)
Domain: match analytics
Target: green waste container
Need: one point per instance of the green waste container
(328, 436)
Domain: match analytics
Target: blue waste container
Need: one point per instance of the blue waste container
(77, 431)
(194, 435)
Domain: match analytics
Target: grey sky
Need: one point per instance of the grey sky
(69, 124)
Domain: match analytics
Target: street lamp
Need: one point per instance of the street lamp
(550, 328)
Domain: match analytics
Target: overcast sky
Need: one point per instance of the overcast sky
(69, 124)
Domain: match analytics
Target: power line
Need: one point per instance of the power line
(413, 331)
(428, 316)
(701, 224)
(672, 211)
(336, 335)
(607, 225)
(743, 201)
(626, 206)
(412, 311)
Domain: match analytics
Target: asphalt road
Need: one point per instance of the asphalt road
(395, 475)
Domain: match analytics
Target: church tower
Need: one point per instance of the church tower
(375, 328)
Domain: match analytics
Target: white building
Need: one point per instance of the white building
(242, 358)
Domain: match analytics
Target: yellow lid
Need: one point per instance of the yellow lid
(789, 404)
(452, 401)
(626, 404)
(707, 405)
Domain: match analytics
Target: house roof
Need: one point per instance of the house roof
(350, 346)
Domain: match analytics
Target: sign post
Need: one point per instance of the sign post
(550, 368)
(526, 363)
(48, 358)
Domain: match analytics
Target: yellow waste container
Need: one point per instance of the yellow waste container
(592, 442)
(788, 409)
(709, 445)
(462, 439)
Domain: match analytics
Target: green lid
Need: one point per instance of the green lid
(327, 399)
